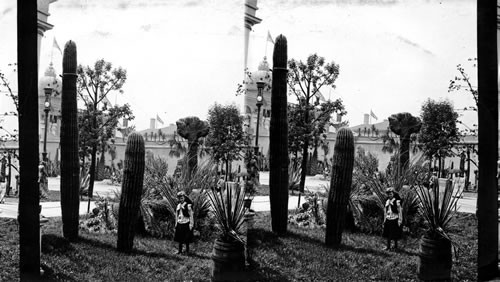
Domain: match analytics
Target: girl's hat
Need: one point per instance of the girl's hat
(186, 198)
(390, 189)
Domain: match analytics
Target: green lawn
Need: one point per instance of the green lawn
(299, 256)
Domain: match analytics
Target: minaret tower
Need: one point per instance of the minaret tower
(250, 21)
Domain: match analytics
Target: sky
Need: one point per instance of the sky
(183, 56)
(393, 55)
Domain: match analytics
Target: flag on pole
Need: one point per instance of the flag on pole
(55, 45)
(159, 119)
(269, 37)
(373, 115)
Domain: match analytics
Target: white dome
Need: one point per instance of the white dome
(262, 74)
(50, 80)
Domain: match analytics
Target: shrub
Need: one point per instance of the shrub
(312, 213)
(102, 219)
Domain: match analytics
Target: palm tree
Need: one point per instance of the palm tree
(390, 143)
(192, 129)
(404, 125)
(177, 148)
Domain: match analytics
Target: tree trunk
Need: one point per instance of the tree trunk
(440, 167)
(192, 156)
(100, 166)
(92, 175)
(29, 199)
(9, 173)
(303, 172)
(487, 196)
(404, 153)
(227, 170)
(467, 172)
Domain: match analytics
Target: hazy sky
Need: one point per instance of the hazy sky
(392, 57)
(182, 56)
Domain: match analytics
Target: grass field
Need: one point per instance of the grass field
(298, 256)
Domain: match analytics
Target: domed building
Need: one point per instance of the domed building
(263, 75)
(50, 84)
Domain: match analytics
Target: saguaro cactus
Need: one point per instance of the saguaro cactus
(70, 179)
(133, 176)
(278, 139)
(340, 187)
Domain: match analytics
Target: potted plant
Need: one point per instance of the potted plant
(228, 254)
(437, 208)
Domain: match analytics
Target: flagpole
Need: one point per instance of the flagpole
(265, 52)
(52, 52)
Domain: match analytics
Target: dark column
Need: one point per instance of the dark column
(27, 69)
(487, 203)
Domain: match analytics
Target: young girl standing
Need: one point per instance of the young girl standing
(393, 218)
(184, 221)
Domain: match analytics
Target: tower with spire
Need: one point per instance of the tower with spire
(50, 80)
(262, 74)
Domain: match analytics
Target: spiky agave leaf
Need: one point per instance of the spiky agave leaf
(229, 211)
(438, 212)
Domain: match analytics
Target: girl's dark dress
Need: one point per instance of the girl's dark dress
(392, 230)
(183, 234)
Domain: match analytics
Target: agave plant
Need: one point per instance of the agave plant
(228, 208)
(438, 208)
(413, 175)
(203, 178)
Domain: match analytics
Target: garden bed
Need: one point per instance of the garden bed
(301, 255)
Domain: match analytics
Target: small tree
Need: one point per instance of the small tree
(305, 79)
(460, 83)
(226, 137)
(6, 135)
(93, 86)
(439, 131)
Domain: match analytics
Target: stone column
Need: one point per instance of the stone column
(43, 25)
(250, 21)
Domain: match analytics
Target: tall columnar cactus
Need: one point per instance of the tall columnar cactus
(340, 187)
(133, 176)
(278, 139)
(70, 176)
